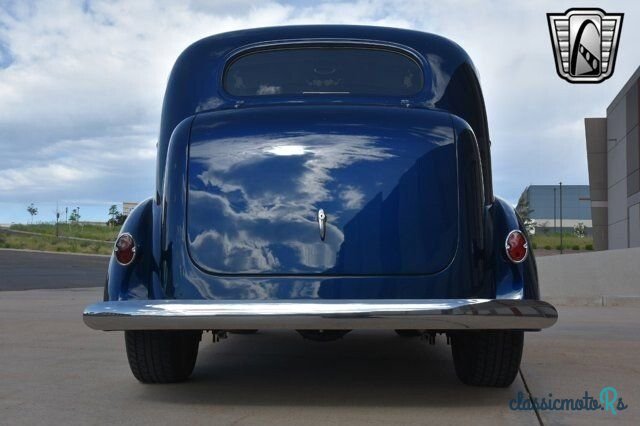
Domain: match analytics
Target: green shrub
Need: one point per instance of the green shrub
(534, 246)
(589, 247)
(547, 247)
(575, 247)
(559, 247)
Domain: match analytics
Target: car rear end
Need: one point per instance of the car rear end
(326, 199)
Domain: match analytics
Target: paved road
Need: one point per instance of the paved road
(25, 270)
(54, 370)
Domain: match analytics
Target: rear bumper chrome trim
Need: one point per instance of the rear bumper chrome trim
(430, 314)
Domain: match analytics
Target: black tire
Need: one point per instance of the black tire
(162, 356)
(408, 333)
(487, 358)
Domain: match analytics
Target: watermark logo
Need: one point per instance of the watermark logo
(585, 43)
(608, 401)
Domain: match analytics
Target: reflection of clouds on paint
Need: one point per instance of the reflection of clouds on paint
(322, 154)
(266, 217)
(211, 103)
(353, 198)
(439, 77)
(239, 288)
(243, 252)
(286, 150)
(265, 89)
(249, 288)
(253, 200)
(245, 240)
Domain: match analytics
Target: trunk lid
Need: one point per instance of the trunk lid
(385, 178)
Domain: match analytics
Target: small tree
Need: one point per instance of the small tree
(523, 209)
(115, 214)
(578, 229)
(74, 216)
(33, 211)
(544, 226)
(530, 226)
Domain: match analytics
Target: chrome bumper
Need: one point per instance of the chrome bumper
(431, 314)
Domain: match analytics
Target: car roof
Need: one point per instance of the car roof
(195, 82)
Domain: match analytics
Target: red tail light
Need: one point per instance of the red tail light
(516, 246)
(125, 249)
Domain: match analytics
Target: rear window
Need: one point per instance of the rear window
(323, 71)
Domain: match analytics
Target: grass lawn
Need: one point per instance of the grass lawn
(92, 232)
(33, 242)
(551, 241)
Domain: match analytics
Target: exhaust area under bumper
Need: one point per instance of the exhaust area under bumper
(430, 314)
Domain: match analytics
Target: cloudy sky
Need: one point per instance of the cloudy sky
(81, 86)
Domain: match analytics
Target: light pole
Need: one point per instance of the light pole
(561, 246)
(555, 228)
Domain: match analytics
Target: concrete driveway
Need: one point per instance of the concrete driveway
(54, 370)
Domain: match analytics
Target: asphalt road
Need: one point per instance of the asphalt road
(28, 270)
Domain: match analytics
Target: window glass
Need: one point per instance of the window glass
(324, 70)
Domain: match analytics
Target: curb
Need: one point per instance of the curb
(602, 301)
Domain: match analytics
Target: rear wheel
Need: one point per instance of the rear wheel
(487, 358)
(162, 356)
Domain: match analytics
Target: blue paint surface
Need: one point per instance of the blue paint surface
(406, 185)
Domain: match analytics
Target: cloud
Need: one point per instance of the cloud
(81, 84)
(353, 198)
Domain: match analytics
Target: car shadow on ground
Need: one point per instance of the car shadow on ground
(373, 368)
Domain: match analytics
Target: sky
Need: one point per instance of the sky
(81, 87)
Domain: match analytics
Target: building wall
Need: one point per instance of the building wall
(596, 133)
(575, 205)
(617, 175)
(613, 154)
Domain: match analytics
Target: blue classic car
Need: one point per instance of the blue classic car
(323, 179)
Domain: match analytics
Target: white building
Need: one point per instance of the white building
(127, 206)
